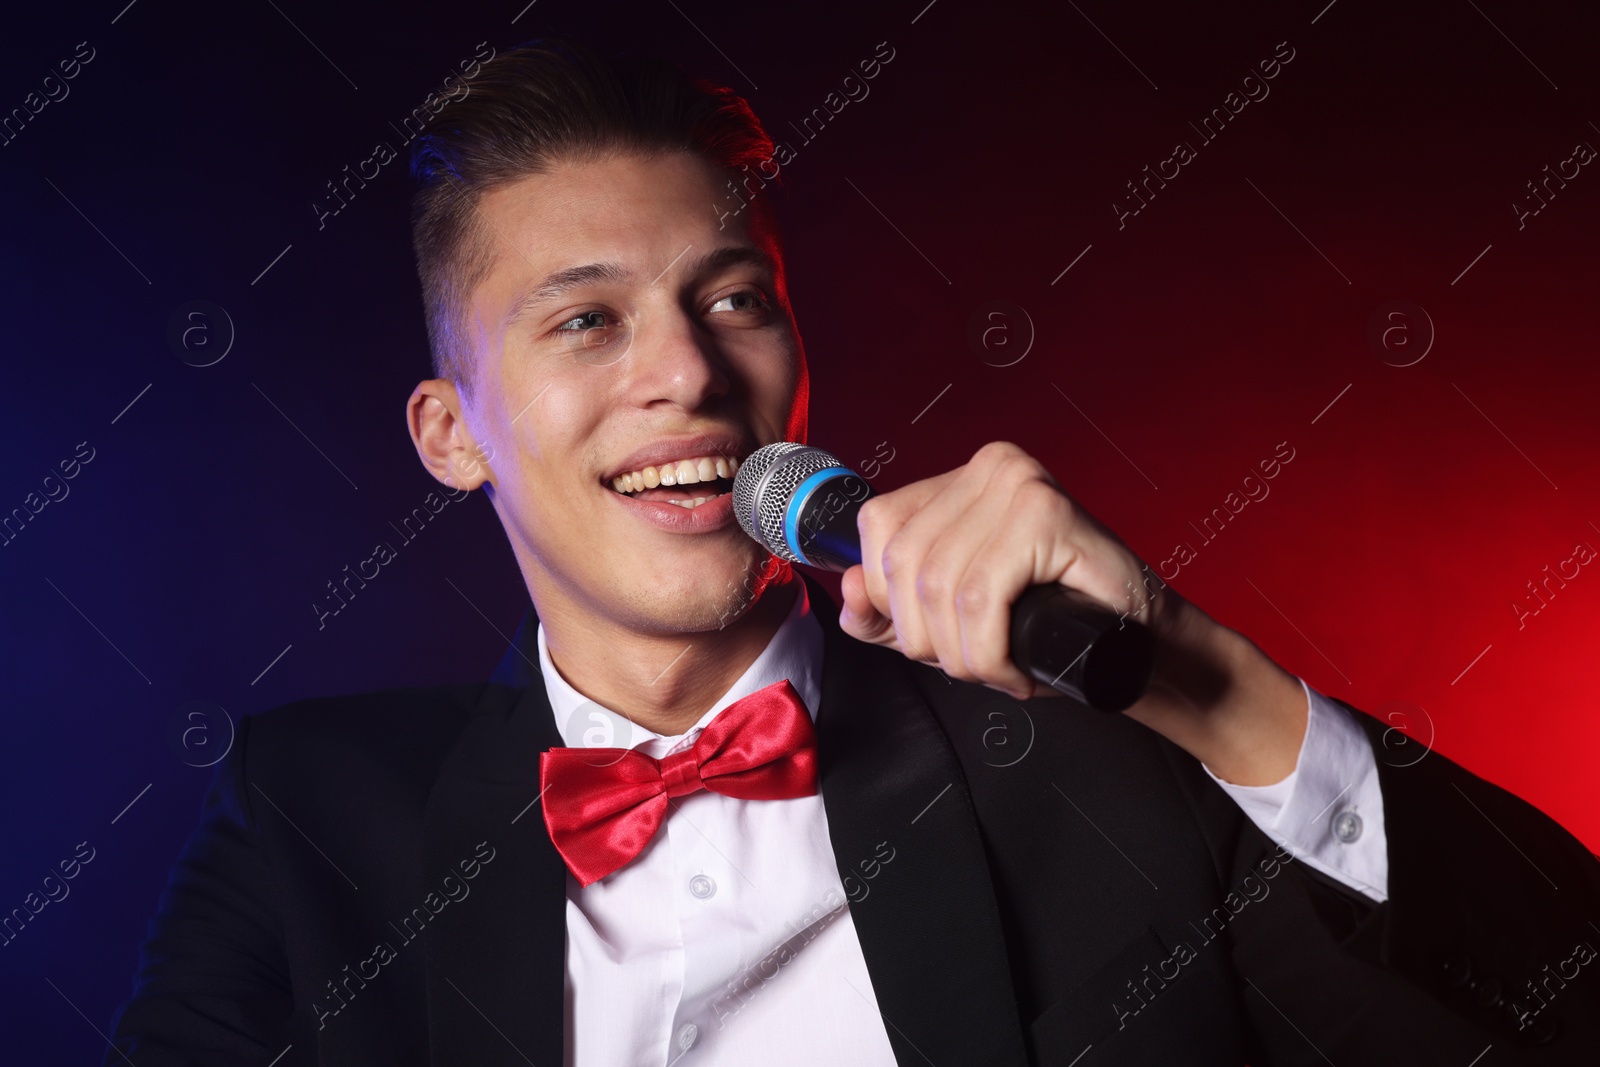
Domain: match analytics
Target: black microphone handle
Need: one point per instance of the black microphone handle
(1069, 641)
(1059, 636)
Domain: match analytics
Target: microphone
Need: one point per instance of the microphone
(800, 503)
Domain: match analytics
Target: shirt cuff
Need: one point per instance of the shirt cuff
(1328, 813)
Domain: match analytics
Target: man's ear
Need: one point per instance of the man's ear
(444, 441)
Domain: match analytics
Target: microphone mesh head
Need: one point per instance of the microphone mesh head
(765, 484)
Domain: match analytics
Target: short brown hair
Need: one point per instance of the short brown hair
(547, 100)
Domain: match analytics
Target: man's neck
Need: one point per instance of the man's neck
(666, 684)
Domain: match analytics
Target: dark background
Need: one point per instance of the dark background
(170, 591)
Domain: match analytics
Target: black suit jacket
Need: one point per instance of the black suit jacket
(371, 883)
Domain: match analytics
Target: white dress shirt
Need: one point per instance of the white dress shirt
(1329, 812)
(729, 940)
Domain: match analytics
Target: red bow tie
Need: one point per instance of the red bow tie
(603, 805)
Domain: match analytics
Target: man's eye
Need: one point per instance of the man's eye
(586, 321)
(744, 300)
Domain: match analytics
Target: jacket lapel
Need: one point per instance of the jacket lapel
(926, 917)
(496, 957)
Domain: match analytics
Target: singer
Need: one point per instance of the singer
(709, 819)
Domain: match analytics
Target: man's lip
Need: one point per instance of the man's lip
(712, 515)
(667, 449)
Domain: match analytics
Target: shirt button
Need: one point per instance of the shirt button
(703, 887)
(687, 1035)
(1347, 826)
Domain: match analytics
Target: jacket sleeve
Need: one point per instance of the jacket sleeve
(212, 986)
(1493, 903)
(1486, 940)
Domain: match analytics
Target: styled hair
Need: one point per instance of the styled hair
(547, 101)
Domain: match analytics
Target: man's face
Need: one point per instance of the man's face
(625, 329)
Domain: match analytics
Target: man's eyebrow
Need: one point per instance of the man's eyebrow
(558, 283)
(729, 256)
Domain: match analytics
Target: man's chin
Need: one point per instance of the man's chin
(711, 599)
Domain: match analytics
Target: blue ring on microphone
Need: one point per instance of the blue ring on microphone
(797, 502)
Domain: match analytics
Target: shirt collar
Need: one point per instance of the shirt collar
(794, 652)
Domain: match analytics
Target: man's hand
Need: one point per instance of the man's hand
(943, 559)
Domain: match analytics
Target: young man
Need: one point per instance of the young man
(699, 816)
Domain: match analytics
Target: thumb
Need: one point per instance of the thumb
(858, 617)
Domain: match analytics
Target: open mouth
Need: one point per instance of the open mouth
(687, 482)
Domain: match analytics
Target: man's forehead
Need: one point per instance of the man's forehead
(608, 220)
(604, 198)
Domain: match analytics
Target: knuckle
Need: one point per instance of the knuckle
(868, 515)
(1035, 495)
(897, 556)
(997, 451)
(1022, 467)
(973, 599)
(933, 584)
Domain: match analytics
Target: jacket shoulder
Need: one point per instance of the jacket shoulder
(402, 729)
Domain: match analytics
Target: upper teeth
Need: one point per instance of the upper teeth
(683, 472)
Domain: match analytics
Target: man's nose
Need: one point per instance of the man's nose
(674, 359)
